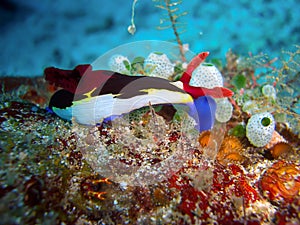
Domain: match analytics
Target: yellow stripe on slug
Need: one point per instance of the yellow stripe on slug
(172, 96)
(89, 94)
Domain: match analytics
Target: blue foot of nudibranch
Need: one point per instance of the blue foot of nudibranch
(203, 111)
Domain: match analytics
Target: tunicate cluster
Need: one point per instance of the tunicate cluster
(120, 64)
(260, 128)
(206, 75)
(224, 110)
(158, 65)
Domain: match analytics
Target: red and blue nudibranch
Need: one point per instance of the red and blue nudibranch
(90, 96)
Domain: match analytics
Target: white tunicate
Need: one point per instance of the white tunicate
(158, 65)
(120, 64)
(260, 128)
(224, 110)
(206, 75)
(269, 91)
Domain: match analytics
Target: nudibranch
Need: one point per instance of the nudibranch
(118, 95)
(90, 96)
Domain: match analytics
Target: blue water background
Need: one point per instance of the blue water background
(63, 33)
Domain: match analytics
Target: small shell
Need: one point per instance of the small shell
(276, 138)
(278, 145)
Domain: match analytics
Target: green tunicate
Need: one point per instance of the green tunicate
(217, 63)
(127, 65)
(239, 81)
(178, 70)
(138, 60)
(238, 131)
(177, 77)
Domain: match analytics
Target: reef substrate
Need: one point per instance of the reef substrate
(46, 180)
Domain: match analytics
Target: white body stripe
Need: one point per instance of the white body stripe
(93, 110)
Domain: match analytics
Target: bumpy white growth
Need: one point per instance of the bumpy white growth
(269, 91)
(260, 128)
(158, 65)
(224, 110)
(206, 75)
(117, 63)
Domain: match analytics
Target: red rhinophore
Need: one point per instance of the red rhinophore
(216, 92)
(194, 63)
(195, 92)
